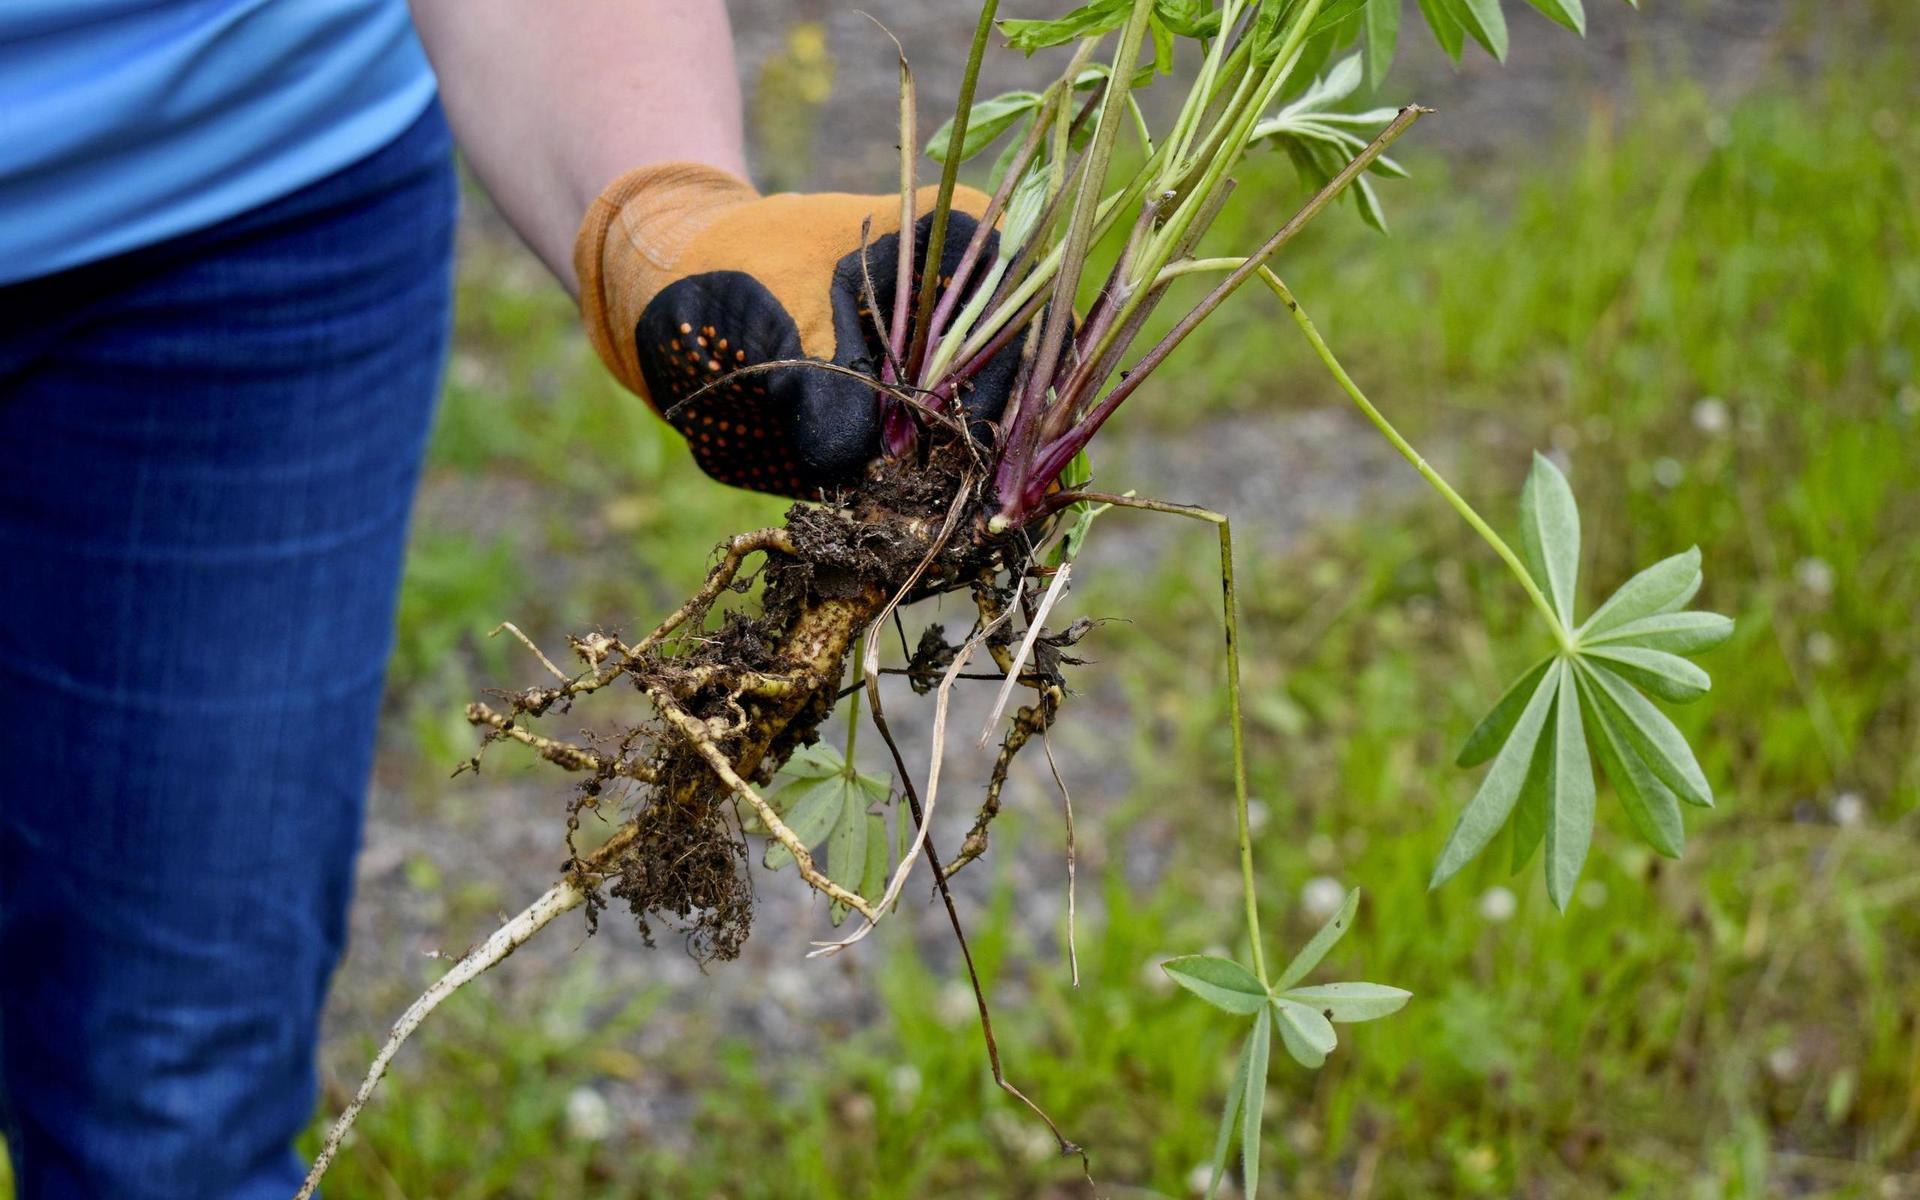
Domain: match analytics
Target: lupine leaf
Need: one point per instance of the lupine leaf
(1531, 810)
(1550, 534)
(811, 817)
(1667, 676)
(1646, 593)
(1224, 1139)
(1652, 736)
(1253, 1104)
(1306, 1033)
(1570, 810)
(987, 121)
(1322, 941)
(1564, 12)
(847, 849)
(1221, 982)
(1484, 20)
(1088, 20)
(873, 880)
(1351, 1002)
(1686, 633)
(1650, 804)
(1382, 31)
(1446, 28)
(1497, 724)
(1491, 804)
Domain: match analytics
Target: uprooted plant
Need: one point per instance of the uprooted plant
(999, 510)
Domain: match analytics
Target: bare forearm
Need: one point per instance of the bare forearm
(551, 99)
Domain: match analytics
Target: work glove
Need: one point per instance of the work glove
(687, 274)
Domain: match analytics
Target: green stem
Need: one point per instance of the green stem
(853, 709)
(949, 174)
(1228, 607)
(1413, 456)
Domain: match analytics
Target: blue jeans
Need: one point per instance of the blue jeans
(208, 452)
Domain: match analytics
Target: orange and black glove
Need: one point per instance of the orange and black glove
(688, 274)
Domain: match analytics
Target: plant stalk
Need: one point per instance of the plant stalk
(1420, 464)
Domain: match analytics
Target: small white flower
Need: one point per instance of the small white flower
(905, 1082)
(1322, 896)
(1822, 650)
(588, 1116)
(1497, 904)
(1202, 1174)
(1668, 472)
(956, 1005)
(1710, 415)
(1815, 576)
(1849, 810)
(1783, 1063)
(1257, 816)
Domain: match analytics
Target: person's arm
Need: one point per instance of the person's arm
(551, 101)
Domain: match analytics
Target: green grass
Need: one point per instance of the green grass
(1714, 317)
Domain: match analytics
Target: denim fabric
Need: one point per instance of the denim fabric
(208, 451)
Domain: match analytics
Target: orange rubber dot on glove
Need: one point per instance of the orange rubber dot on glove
(688, 275)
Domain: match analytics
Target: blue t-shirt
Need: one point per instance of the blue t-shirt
(126, 122)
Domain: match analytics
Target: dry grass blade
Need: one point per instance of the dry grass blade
(1035, 627)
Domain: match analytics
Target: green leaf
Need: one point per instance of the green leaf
(1651, 736)
(818, 761)
(1322, 941)
(1650, 804)
(847, 849)
(1189, 18)
(1484, 20)
(1531, 810)
(1570, 815)
(1089, 20)
(1333, 12)
(1382, 30)
(1550, 534)
(1253, 1104)
(1488, 810)
(1496, 725)
(1306, 1033)
(1645, 594)
(1667, 676)
(1351, 1002)
(1685, 633)
(1446, 28)
(987, 120)
(1224, 1139)
(811, 816)
(873, 880)
(1221, 982)
(1564, 12)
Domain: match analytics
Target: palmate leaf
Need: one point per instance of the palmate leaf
(1588, 703)
(1550, 534)
(1303, 1015)
(1380, 31)
(823, 801)
(1322, 941)
(1221, 982)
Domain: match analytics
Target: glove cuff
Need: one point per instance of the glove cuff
(632, 236)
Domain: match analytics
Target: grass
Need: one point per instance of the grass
(1713, 317)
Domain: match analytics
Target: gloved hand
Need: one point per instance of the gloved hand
(686, 273)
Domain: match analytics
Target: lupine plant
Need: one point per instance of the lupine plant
(1000, 510)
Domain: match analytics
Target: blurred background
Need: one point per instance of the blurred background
(1683, 255)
